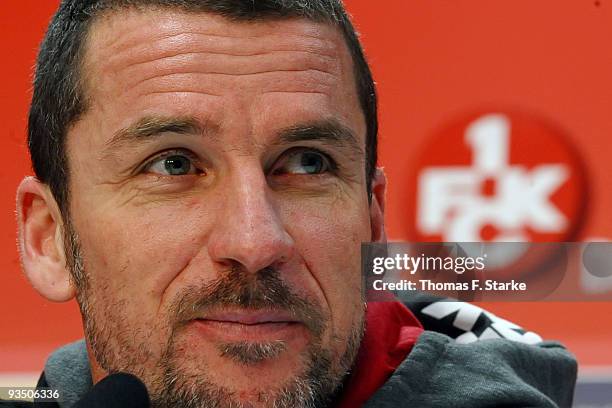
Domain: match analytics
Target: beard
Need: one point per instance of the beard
(170, 379)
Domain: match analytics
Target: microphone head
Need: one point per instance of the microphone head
(116, 391)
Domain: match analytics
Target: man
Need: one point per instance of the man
(205, 174)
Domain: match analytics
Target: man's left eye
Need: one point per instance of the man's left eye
(173, 164)
(304, 162)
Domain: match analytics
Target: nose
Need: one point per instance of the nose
(249, 230)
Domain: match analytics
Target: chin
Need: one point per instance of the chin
(289, 377)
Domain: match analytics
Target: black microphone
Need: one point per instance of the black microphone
(119, 390)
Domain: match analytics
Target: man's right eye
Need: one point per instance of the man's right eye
(173, 163)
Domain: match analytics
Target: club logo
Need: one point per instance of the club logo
(498, 176)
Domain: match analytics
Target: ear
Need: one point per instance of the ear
(41, 241)
(377, 207)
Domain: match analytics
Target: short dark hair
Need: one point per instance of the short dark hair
(58, 100)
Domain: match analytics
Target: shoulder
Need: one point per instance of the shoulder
(488, 373)
(467, 357)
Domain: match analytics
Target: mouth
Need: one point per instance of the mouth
(249, 326)
(250, 317)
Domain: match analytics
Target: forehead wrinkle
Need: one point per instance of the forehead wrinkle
(167, 79)
(219, 84)
(292, 54)
(184, 31)
(224, 63)
(313, 38)
(120, 42)
(170, 56)
(170, 21)
(143, 48)
(197, 63)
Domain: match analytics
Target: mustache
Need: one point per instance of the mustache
(262, 290)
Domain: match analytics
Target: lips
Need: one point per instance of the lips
(249, 317)
(249, 325)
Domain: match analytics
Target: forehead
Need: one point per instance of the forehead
(138, 61)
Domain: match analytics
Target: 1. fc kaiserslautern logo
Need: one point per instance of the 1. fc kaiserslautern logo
(498, 176)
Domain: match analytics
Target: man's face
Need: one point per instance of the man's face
(218, 198)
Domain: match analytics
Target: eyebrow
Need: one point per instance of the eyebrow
(330, 132)
(150, 126)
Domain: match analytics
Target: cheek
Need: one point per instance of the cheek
(330, 243)
(139, 252)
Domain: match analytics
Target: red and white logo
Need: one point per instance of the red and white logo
(498, 176)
